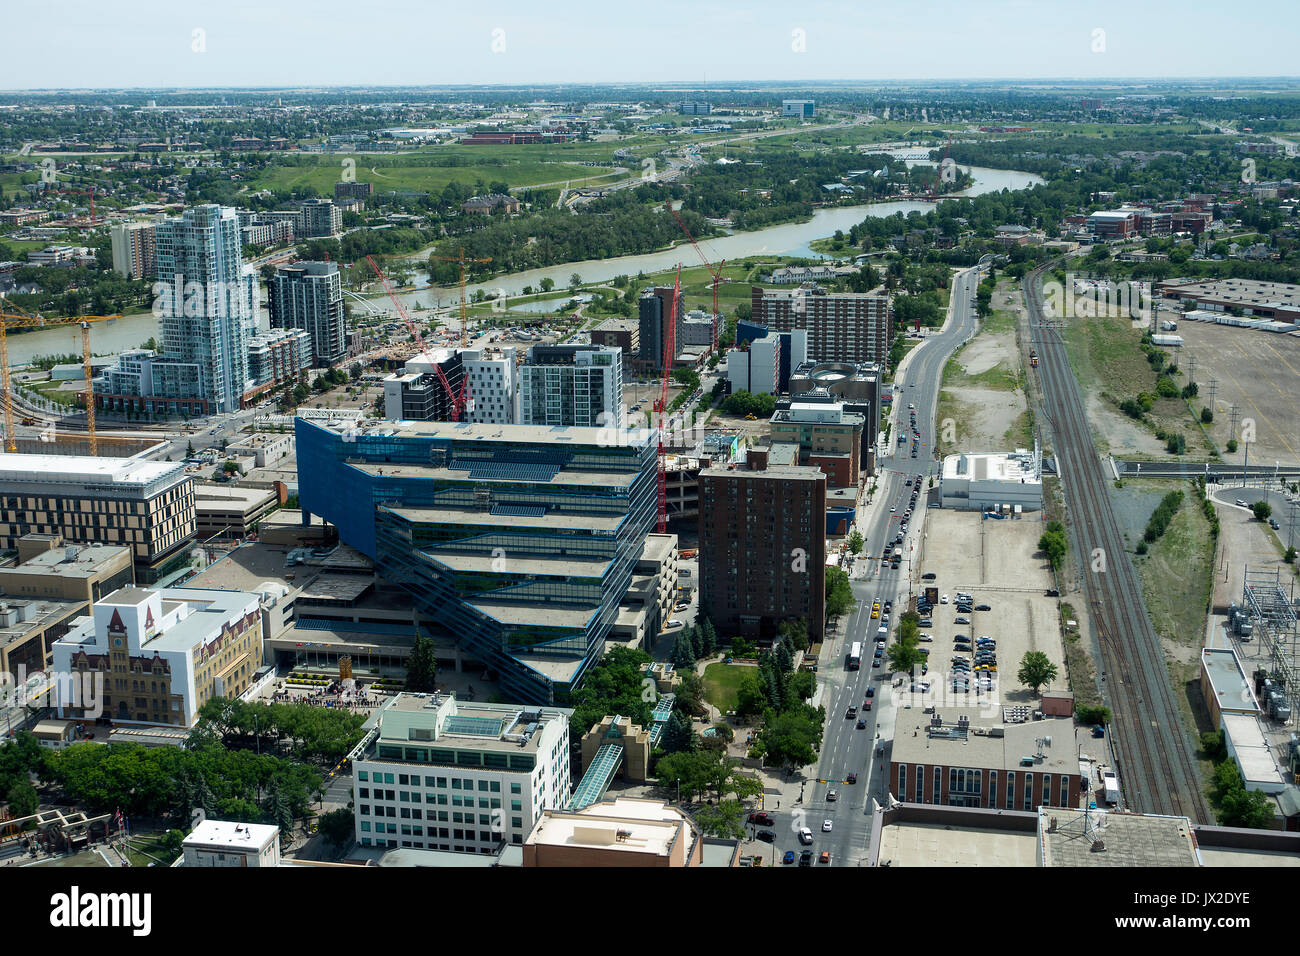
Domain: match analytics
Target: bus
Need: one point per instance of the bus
(855, 656)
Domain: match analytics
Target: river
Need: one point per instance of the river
(788, 239)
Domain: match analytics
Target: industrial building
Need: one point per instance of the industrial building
(842, 326)
(439, 773)
(804, 109)
(1278, 302)
(144, 505)
(520, 541)
(1002, 482)
(309, 296)
(162, 654)
(572, 385)
(762, 554)
(963, 758)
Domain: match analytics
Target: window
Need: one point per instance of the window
(993, 789)
(1065, 790)
(1029, 791)
(935, 794)
(1011, 790)
(920, 785)
(1047, 789)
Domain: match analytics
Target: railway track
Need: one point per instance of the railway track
(1158, 769)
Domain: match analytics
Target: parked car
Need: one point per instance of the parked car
(788, 858)
(982, 607)
(925, 638)
(672, 625)
(761, 818)
(925, 622)
(962, 620)
(767, 836)
(682, 606)
(928, 576)
(1053, 592)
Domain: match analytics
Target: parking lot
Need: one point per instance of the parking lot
(996, 562)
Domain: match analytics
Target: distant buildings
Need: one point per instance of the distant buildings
(625, 832)
(622, 334)
(353, 190)
(762, 361)
(804, 109)
(572, 385)
(842, 327)
(163, 654)
(694, 108)
(309, 296)
(763, 549)
(277, 356)
(134, 254)
(521, 541)
(319, 218)
(439, 773)
(144, 505)
(486, 205)
(417, 393)
(826, 435)
(515, 139)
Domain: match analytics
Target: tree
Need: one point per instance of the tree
(683, 655)
(725, 820)
(189, 450)
(1232, 446)
(22, 799)
(422, 666)
(575, 282)
(855, 542)
(678, 736)
(751, 701)
(1207, 416)
(690, 694)
(338, 826)
(1036, 670)
(548, 284)
(794, 632)
(1054, 542)
(791, 739)
(1263, 510)
(839, 593)
(904, 656)
(709, 637)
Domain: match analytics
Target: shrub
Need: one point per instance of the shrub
(1207, 416)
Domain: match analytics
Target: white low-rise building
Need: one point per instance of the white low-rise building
(220, 843)
(437, 773)
(992, 481)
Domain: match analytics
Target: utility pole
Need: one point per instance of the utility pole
(1234, 417)
(1191, 371)
(1214, 388)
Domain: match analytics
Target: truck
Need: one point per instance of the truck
(1110, 787)
(1033, 358)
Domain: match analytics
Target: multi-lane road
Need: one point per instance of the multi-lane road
(845, 748)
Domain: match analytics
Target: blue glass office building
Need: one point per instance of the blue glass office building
(520, 540)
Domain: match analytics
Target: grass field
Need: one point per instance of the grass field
(722, 684)
(428, 178)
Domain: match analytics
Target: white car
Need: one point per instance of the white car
(672, 625)
(943, 599)
(826, 826)
(1242, 504)
(683, 606)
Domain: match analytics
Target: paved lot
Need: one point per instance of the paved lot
(1259, 372)
(997, 563)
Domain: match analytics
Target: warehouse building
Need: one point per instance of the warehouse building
(987, 482)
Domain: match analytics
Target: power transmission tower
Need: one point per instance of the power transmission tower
(1191, 370)
(1234, 416)
(1214, 388)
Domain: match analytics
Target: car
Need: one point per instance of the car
(806, 858)
(862, 724)
(805, 836)
(1053, 592)
(788, 858)
(1272, 523)
(832, 796)
(924, 638)
(925, 622)
(825, 857)
(874, 614)
(682, 606)
(826, 826)
(875, 606)
(943, 599)
(871, 692)
(852, 712)
(876, 662)
(867, 705)
(962, 620)
(1240, 503)
(889, 606)
(761, 818)
(964, 608)
(851, 778)
(909, 482)
(983, 607)
(928, 576)
(672, 625)
(767, 836)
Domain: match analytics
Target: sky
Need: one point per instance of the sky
(244, 43)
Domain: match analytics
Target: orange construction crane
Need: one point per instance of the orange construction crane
(29, 320)
(464, 312)
(459, 401)
(716, 273)
(661, 404)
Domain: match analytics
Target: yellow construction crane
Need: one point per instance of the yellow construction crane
(27, 320)
(464, 312)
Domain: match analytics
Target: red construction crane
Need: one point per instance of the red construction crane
(716, 273)
(660, 405)
(459, 401)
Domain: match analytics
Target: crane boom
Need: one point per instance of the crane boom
(716, 273)
(458, 401)
(464, 310)
(670, 352)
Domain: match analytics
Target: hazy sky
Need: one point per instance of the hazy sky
(148, 43)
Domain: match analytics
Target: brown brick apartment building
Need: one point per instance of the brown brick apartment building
(763, 549)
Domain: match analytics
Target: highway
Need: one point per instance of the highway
(1157, 766)
(846, 749)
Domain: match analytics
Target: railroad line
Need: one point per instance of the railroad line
(1158, 769)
